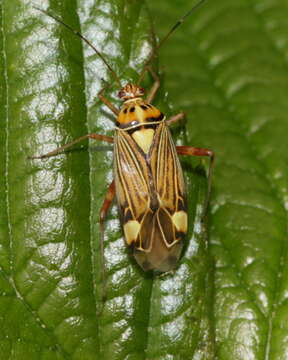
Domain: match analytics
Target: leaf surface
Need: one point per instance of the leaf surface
(226, 68)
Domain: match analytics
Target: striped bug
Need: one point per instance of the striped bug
(148, 179)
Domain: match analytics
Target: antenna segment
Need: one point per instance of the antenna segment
(83, 38)
(154, 51)
(170, 32)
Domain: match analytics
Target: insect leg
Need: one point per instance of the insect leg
(154, 88)
(107, 102)
(175, 118)
(103, 213)
(108, 139)
(194, 151)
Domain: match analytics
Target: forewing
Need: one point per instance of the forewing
(166, 171)
(132, 183)
(169, 184)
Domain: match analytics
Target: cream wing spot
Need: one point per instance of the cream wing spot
(180, 220)
(144, 138)
(131, 231)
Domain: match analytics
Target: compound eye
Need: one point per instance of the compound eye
(142, 91)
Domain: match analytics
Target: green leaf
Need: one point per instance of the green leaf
(226, 68)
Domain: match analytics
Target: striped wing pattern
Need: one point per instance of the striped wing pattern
(167, 172)
(131, 175)
(150, 192)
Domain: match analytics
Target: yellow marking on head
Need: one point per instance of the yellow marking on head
(144, 138)
(180, 220)
(131, 231)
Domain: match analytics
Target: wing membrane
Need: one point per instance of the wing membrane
(167, 171)
(131, 177)
(150, 191)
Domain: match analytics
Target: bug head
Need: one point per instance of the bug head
(130, 91)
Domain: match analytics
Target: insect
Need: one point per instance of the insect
(148, 180)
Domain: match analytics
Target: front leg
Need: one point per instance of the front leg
(194, 151)
(175, 118)
(107, 102)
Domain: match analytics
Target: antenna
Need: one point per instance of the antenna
(83, 38)
(170, 32)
